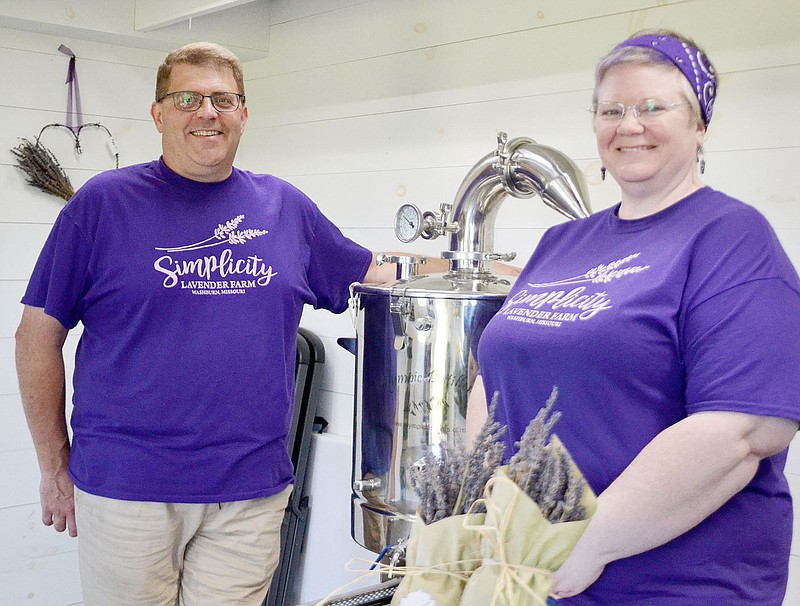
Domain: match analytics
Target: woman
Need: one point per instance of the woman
(669, 324)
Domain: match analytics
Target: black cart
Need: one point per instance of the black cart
(310, 354)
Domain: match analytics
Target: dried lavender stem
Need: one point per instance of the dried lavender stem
(42, 169)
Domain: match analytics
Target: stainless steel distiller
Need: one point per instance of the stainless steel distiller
(417, 337)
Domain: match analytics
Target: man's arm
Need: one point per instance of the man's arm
(40, 369)
(381, 274)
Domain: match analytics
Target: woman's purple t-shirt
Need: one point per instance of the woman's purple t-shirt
(639, 324)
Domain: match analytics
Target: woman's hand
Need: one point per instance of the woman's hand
(685, 474)
(575, 575)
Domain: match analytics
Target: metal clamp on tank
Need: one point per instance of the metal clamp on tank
(400, 310)
(507, 167)
(478, 256)
(399, 307)
(399, 304)
(407, 269)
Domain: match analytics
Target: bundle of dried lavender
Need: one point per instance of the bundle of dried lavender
(42, 169)
(449, 484)
(486, 456)
(544, 472)
(436, 480)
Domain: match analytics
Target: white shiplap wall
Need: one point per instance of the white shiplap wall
(366, 105)
(37, 565)
(380, 103)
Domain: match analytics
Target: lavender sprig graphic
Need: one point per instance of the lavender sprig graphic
(601, 274)
(240, 237)
(223, 234)
(222, 231)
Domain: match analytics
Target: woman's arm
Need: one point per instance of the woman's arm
(477, 410)
(685, 474)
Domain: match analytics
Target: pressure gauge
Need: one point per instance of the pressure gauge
(408, 223)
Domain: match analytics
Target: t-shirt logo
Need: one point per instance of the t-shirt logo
(545, 304)
(223, 234)
(220, 273)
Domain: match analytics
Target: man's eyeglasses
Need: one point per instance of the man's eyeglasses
(189, 101)
(648, 111)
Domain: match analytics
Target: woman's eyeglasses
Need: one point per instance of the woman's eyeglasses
(648, 111)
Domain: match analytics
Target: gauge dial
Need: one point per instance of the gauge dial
(408, 223)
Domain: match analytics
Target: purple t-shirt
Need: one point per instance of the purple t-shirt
(639, 324)
(190, 295)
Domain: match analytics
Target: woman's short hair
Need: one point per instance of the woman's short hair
(648, 56)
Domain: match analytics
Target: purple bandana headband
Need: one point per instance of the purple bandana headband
(690, 61)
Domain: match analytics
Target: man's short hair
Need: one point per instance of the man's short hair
(200, 54)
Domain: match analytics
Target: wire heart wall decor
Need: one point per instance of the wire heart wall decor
(40, 164)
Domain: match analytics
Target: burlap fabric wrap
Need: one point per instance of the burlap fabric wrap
(520, 547)
(440, 558)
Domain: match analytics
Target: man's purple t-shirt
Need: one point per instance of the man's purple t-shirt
(639, 324)
(190, 295)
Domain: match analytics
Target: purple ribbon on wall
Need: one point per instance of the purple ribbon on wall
(74, 116)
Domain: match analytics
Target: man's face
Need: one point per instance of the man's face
(201, 144)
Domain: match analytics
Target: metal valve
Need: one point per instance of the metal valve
(436, 224)
(368, 484)
(407, 266)
(423, 324)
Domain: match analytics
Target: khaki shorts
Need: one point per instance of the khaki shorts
(177, 554)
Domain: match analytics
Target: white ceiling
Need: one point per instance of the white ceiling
(241, 25)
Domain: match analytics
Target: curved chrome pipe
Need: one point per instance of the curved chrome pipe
(546, 172)
(476, 204)
(521, 168)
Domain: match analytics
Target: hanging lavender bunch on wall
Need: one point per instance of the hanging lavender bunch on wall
(38, 163)
(42, 169)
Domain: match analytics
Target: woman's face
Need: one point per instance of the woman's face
(656, 158)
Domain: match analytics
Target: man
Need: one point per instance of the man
(189, 277)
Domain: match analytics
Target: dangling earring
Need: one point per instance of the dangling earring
(603, 173)
(702, 160)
